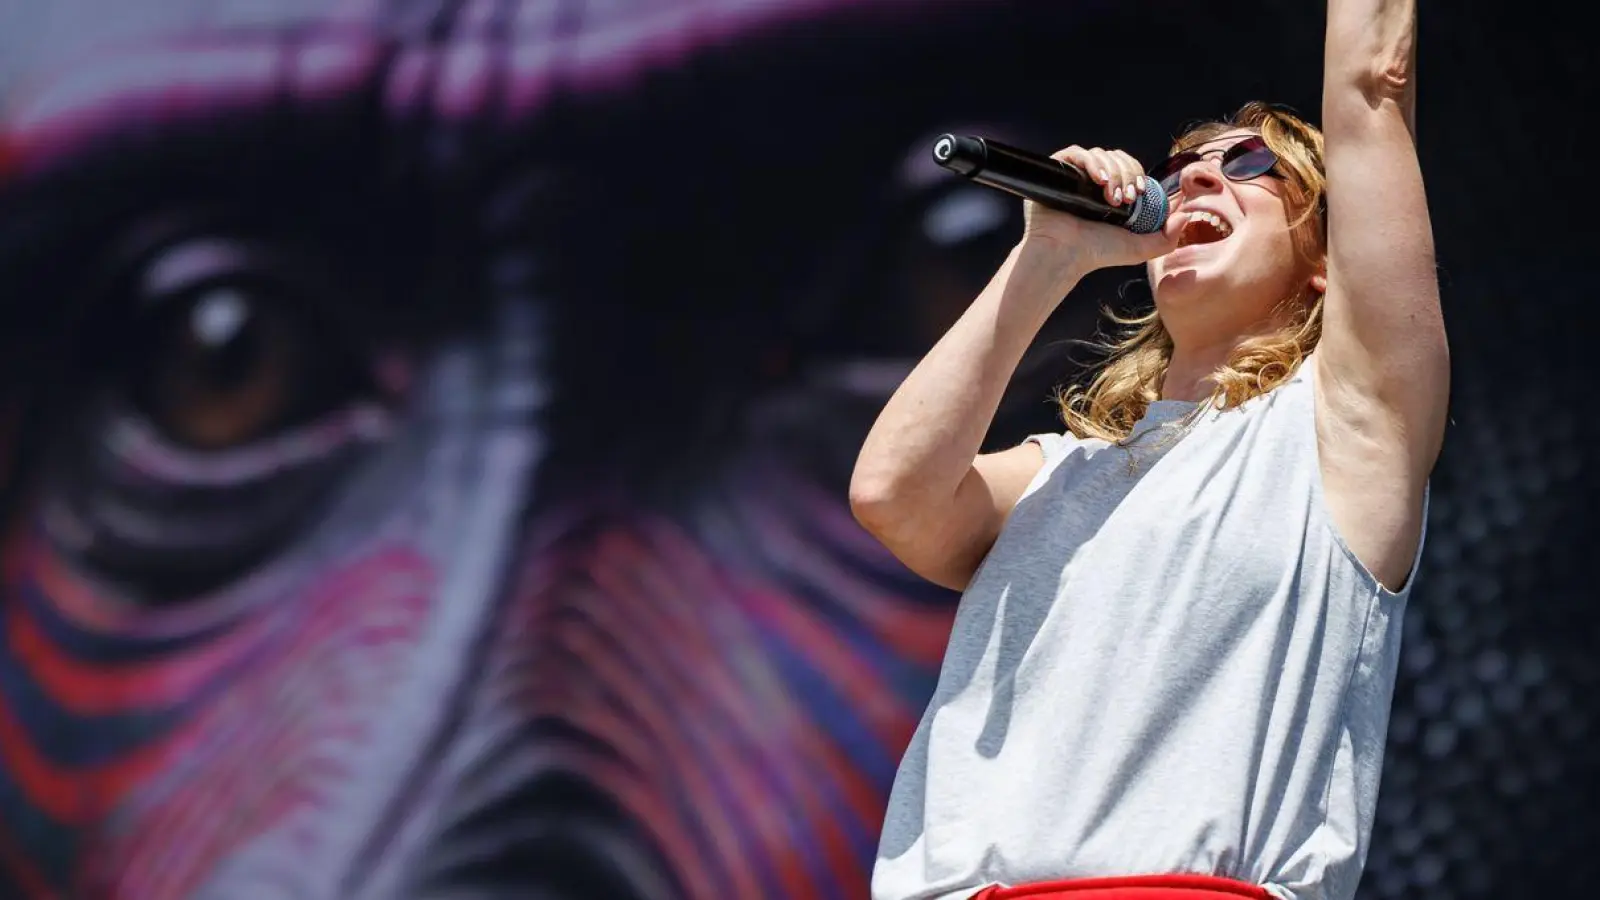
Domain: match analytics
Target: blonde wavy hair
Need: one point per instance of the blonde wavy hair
(1136, 355)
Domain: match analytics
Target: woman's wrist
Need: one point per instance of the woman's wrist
(1047, 258)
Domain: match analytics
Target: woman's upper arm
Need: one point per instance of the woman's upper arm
(1006, 474)
(948, 549)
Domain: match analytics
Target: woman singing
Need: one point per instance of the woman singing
(1171, 669)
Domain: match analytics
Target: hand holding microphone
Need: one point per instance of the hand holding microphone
(1092, 202)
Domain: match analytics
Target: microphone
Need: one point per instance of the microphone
(1049, 182)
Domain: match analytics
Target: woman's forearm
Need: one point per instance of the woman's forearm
(926, 437)
(1370, 54)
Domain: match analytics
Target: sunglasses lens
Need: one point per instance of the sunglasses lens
(1253, 157)
(1170, 173)
(1245, 160)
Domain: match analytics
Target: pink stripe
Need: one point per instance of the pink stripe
(277, 743)
(192, 76)
(673, 623)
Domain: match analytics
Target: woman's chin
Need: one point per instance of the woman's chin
(1198, 258)
(1179, 284)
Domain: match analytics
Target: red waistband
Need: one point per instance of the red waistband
(1139, 887)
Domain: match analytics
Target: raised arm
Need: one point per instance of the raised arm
(1383, 363)
(1383, 354)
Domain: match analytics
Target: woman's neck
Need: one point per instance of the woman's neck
(1189, 372)
(1188, 375)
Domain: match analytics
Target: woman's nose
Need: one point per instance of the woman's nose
(1201, 176)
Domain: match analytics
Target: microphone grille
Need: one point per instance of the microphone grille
(1149, 208)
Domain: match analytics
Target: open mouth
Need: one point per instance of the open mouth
(1203, 228)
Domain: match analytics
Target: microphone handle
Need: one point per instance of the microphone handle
(1048, 181)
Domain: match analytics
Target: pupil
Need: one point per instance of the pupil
(225, 368)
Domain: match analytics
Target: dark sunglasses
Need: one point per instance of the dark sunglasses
(1250, 158)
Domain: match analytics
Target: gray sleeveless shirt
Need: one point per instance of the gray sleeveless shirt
(1169, 662)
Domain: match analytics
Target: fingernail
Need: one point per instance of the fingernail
(1130, 193)
(1116, 196)
(1103, 176)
